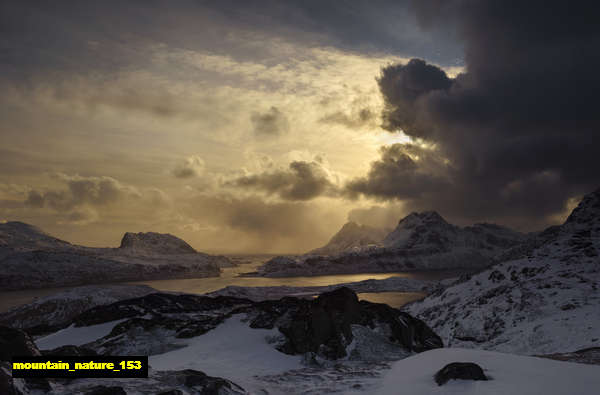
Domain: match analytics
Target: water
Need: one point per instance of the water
(230, 276)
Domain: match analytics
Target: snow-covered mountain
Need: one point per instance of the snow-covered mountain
(421, 241)
(19, 236)
(352, 237)
(30, 258)
(544, 300)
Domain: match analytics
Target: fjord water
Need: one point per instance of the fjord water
(231, 276)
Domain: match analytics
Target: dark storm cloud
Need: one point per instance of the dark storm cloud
(270, 123)
(42, 37)
(519, 131)
(301, 181)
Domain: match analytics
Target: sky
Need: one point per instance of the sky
(263, 126)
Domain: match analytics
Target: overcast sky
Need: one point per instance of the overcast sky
(263, 126)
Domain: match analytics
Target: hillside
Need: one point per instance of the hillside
(30, 258)
(351, 237)
(545, 301)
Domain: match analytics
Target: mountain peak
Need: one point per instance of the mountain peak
(18, 233)
(158, 243)
(587, 211)
(426, 217)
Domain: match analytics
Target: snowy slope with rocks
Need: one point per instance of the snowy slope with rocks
(421, 241)
(332, 343)
(352, 237)
(57, 311)
(545, 301)
(29, 258)
(507, 374)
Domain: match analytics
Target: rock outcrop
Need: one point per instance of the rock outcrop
(459, 371)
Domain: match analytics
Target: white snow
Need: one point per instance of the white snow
(233, 351)
(76, 336)
(510, 374)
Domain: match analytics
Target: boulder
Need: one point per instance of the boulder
(459, 370)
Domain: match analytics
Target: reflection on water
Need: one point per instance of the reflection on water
(394, 299)
(230, 276)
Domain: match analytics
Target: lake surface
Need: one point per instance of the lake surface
(230, 276)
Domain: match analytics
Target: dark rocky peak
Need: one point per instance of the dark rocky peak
(587, 211)
(424, 218)
(158, 243)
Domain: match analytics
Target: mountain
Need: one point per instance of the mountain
(30, 258)
(21, 236)
(543, 300)
(157, 243)
(421, 241)
(351, 237)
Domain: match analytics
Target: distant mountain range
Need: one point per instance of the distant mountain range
(30, 258)
(420, 241)
(352, 237)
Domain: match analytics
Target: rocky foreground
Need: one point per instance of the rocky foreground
(30, 258)
(307, 335)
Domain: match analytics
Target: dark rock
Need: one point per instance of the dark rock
(156, 304)
(68, 351)
(104, 390)
(15, 342)
(200, 383)
(323, 325)
(6, 380)
(459, 370)
(171, 392)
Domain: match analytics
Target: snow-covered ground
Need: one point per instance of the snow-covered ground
(233, 351)
(508, 374)
(546, 302)
(75, 336)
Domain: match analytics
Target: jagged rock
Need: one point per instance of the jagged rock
(15, 342)
(69, 351)
(199, 382)
(459, 370)
(324, 325)
(6, 381)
